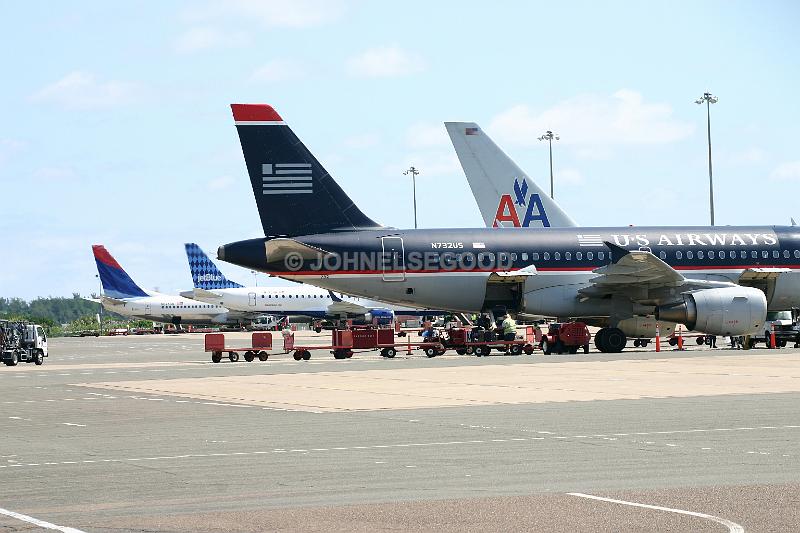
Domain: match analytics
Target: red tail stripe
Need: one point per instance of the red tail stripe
(255, 113)
(102, 255)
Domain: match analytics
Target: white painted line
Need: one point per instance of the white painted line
(40, 523)
(76, 425)
(733, 527)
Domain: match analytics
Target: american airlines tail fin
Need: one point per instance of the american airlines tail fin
(506, 196)
(295, 195)
(116, 282)
(205, 273)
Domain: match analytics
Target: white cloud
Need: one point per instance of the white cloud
(206, 38)
(55, 173)
(82, 90)
(567, 176)
(366, 140)
(750, 155)
(278, 70)
(623, 118)
(787, 172)
(428, 135)
(384, 62)
(428, 164)
(220, 184)
(273, 13)
(9, 147)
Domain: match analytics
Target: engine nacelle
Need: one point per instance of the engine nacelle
(379, 315)
(645, 327)
(722, 311)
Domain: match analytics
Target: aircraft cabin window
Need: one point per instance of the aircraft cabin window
(690, 255)
(662, 254)
(513, 257)
(765, 254)
(700, 254)
(754, 254)
(578, 255)
(786, 254)
(535, 256)
(678, 255)
(742, 254)
(568, 256)
(711, 254)
(601, 255)
(547, 256)
(524, 257)
(589, 255)
(797, 254)
(776, 254)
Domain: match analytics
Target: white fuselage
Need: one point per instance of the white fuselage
(160, 307)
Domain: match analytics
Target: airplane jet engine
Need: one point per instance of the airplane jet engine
(382, 315)
(721, 311)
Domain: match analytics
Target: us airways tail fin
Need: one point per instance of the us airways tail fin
(205, 273)
(116, 282)
(295, 195)
(506, 196)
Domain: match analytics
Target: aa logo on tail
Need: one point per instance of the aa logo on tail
(507, 213)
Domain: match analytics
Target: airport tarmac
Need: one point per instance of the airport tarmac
(145, 433)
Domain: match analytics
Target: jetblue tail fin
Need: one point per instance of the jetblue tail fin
(295, 195)
(116, 282)
(205, 273)
(506, 196)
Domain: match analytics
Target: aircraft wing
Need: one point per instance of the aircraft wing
(114, 301)
(346, 308)
(636, 267)
(204, 294)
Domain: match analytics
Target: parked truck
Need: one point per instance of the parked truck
(22, 342)
(786, 327)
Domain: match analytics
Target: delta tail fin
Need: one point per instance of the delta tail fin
(205, 273)
(116, 282)
(506, 196)
(295, 195)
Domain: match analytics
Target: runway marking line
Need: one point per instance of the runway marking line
(733, 527)
(39, 523)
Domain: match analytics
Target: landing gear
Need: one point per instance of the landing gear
(610, 340)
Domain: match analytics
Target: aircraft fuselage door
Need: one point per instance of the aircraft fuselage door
(393, 264)
(251, 299)
(146, 309)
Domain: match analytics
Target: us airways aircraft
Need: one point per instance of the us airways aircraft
(713, 279)
(123, 296)
(211, 286)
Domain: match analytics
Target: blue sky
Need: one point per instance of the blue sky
(115, 126)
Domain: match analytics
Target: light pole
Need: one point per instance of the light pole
(549, 136)
(709, 99)
(101, 303)
(414, 172)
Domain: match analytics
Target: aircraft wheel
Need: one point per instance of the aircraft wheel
(216, 357)
(233, 356)
(249, 356)
(615, 340)
(600, 340)
(263, 356)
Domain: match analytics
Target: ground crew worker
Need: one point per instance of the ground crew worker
(509, 328)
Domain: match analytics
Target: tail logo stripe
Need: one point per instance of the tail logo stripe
(286, 178)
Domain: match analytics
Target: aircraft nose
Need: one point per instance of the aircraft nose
(249, 254)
